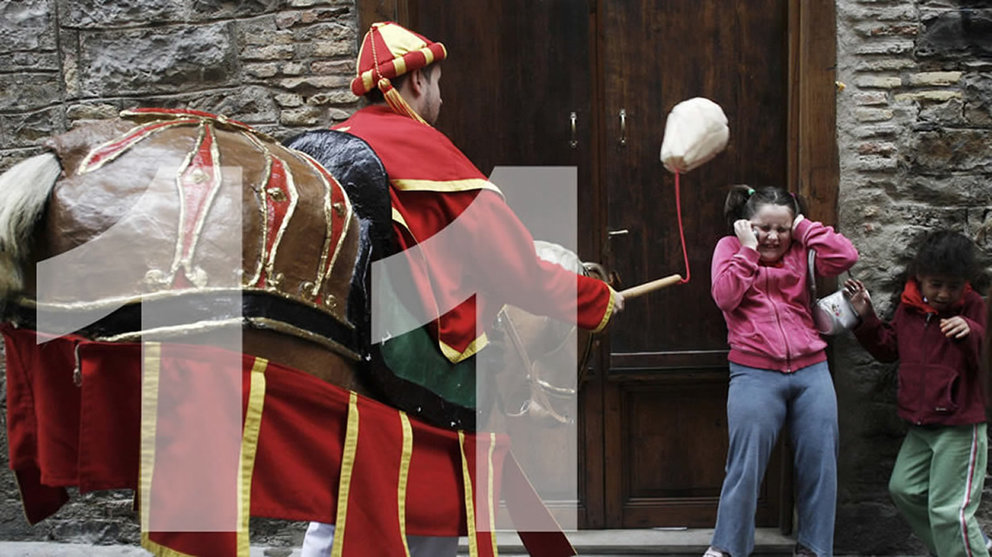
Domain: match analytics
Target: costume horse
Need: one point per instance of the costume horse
(206, 224)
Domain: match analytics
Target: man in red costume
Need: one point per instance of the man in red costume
(433, 185)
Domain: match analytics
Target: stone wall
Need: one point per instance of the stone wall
(281, 66)
(914, 130)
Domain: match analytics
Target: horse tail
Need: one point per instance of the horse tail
(24, 190)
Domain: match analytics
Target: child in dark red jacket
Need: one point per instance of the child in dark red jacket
(936, 334)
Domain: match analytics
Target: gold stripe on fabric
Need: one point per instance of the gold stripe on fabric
(347, 467)
(445, 185)
(454, 356)
(473, 542)
(151, 362)
(607, 315)
(400, 65)
(368, 80)
(428, 55)
(404, 476)
(249, 448)
(160, 550)
(400, 40)
(491, 500)
(398, 218)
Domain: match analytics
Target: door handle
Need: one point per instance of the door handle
(621, 232)
(573, 118)
(623, 126)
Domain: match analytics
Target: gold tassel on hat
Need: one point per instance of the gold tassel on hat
(396, 101)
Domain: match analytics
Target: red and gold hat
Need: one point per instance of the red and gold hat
(390, 50)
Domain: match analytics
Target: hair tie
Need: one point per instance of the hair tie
(750, 192)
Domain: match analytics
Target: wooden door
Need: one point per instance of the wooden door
(665, 391)
(652, 432)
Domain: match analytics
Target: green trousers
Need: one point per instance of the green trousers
(937, 485)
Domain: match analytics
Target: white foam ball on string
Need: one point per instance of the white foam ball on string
(695, 132)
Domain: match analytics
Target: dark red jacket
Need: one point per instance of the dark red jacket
(940, 379)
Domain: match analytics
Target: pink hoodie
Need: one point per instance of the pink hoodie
(769, 325)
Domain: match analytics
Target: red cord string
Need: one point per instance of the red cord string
(678, 211)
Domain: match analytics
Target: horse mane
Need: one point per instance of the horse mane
(24, 191)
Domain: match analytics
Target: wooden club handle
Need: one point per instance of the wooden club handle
(658, 284)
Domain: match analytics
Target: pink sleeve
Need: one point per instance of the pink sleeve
(733, 271)
(834, 253)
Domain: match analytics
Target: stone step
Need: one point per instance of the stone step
(650, 541)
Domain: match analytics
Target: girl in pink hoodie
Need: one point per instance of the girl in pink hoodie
(778, 367)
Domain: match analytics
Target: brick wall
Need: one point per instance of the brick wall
(914, 131)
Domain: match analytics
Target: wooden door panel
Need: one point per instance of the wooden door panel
(667, 380)
(652, 434)
(516, 71)
(658, 54)
(673, 449)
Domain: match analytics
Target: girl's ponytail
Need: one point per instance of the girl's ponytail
(735, 207)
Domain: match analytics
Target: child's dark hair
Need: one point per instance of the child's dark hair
(946, 252)
(744, 201)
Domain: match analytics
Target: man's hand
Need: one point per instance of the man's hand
(617, 301)
(859, 297)
(745, 233)
(954, 327)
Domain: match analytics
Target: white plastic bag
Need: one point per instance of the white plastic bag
(695, 132)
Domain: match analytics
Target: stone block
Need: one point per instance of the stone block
(289, 100)
(882, 148)
(946, 190)
(28, 91)
(873, 114)
(306, 116)
(934, 79)
(268, 52)
(963, 150)
(226, 9)
(293, 68)
(874, 29)
(28, 129)
(261, 70)
(97, 14)
(266, 38)
(893, 12)
(950, 113)
(250, 104)
(155, 60)
(878, 82)
(956, 34)
(978, 99)
(340, 115)
(32, 61)
(884, 64)
(874, 163)
(339, 96)
(27, 25)
(942, 95)
(333, 67)
(882, 130)
(287, 19)
(95, 111)
(309, 85)
(889, 46)
(872, 98)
